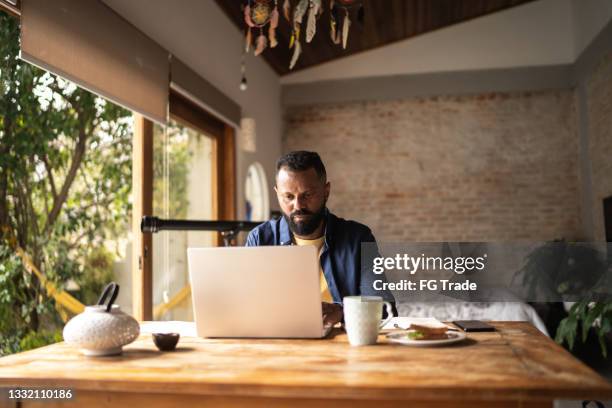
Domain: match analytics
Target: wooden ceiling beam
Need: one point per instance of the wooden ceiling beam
(386, 21)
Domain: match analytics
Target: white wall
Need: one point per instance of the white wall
(590, 17)
(544, 32)
(201, 35)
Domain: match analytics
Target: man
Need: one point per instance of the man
(302, 190)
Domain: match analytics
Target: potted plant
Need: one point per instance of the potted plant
(577, 274)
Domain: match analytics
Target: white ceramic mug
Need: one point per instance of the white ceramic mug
(362, 318)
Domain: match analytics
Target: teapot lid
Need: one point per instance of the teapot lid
(101, 309)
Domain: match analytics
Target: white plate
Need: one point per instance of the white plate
(402, 338)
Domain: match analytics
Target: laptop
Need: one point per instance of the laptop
(265, 291)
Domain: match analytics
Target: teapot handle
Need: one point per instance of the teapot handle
(114, 287)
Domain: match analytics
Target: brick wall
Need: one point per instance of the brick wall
(599, 105)
(499, 166)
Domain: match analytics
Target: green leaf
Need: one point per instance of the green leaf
(601, 336)
(566, 332)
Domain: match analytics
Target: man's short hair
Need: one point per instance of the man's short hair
(301, 161)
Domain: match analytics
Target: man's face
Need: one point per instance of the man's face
(302, 197)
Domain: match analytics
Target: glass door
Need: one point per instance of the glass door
(183, 188)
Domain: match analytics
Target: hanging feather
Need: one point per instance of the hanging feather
(248, 40)
(272, 38)
(345, 28)
(272, 29)
(333, 23)
(296, 53)
(300, 10)
(247, 16)
(274, 19)
(298, 16)
(296, 31)
(313, 14)
(262, 43)
(287, 10)
(311, 23)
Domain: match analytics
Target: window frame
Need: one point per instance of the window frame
(186, 112)
(13, 9)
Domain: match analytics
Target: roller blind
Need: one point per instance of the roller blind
(88, 43)
(192, 86)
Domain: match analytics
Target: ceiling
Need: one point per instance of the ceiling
(385, 21)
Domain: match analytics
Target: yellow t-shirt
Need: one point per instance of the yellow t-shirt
(325, 294)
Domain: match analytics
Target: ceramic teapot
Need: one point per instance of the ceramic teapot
(103, 329)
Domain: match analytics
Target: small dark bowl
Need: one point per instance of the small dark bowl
(166, 341)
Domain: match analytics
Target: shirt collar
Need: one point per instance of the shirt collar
(285, 233)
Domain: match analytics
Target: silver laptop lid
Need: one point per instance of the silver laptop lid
(268, 291)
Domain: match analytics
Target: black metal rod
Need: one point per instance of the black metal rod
(154, 224)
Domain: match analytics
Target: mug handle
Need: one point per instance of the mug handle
(389, 315)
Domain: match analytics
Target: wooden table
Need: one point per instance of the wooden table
(516, 366)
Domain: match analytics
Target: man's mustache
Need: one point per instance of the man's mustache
(301, 212)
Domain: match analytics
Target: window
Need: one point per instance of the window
(192, 179)
(182, 189)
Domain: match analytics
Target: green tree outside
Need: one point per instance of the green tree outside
(65, 184)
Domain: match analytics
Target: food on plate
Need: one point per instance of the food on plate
(428, 331)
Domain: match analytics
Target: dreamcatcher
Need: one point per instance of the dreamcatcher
(258, 14)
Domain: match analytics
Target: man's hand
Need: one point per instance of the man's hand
(332, 314)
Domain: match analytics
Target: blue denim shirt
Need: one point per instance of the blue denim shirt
(340, 257)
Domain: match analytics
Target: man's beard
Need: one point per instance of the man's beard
(308, 226)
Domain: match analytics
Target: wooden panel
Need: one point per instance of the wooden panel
(514, 364)
(384, 22)
(14, 10)
(186, 112)
(227, 196)
(142, 190)
(113, 400)
(224, 178)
